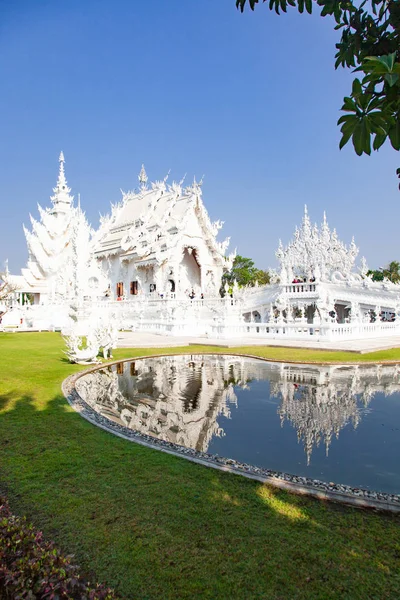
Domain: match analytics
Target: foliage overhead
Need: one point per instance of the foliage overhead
(370, 43)
(245, 273)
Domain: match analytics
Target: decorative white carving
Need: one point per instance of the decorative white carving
(316, 251)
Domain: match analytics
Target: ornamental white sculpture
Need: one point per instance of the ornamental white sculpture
(81, 355)
(316, 251)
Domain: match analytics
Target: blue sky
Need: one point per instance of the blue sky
(250, 100)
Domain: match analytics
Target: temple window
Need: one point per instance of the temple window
(134, 371)
(152, 287)
(134, 288)
(120, 289)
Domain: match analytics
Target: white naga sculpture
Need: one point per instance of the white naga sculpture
(105, 332)
(100, 332)
(79, 354)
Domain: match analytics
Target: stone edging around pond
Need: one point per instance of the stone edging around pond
(344, 494)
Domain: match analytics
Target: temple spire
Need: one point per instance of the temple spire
(61, 199)
(143, 179)
(62, 182)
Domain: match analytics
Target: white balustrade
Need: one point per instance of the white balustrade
(301, 288)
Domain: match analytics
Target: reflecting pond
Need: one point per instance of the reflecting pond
(329, 422)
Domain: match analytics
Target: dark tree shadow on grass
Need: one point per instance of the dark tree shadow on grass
(156, 526)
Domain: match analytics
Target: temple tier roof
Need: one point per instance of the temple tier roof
(50, 238)
(149, 223)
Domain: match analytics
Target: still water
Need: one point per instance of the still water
(328, 422)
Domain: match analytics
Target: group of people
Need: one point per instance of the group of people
(192, 294)
(304, 280)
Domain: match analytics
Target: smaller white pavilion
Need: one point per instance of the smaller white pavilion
(320, 292)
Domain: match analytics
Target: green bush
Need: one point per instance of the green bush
(32, 568)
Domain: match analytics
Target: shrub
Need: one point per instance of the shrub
(32, 568)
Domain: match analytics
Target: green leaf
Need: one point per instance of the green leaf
(379, 139)
(345, 138)
(363, 100)
(349, 105)
(387, 61)
(356, 88)
(394, 135)
(347, 119)
(391, 78)
(376, 129)
(283, 4)
(362, 138)
(357, 140)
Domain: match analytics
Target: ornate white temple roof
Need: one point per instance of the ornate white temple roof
(148, 223)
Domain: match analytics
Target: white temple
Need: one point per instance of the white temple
(159, 242)
(156, 265)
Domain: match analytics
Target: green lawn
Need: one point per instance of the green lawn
(155, 526)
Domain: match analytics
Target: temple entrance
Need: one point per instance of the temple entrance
(190, 272)
(342, 313)
(171, 286)
(120, 289)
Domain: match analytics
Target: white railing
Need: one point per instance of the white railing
(196, 318)
(325, 331)
(363, 330)
(301, 288)
(144, 301)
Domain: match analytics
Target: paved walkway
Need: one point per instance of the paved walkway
(151, 340)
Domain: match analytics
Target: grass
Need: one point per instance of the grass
(156, 526)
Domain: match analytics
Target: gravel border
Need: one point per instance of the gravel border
(345, 494)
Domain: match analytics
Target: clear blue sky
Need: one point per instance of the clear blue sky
(250, 100)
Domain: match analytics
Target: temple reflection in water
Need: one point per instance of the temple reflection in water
(320, 400)
(180, 399)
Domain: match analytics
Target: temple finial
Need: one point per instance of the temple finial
(62, 182)
(61, 191)
(143, 179)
